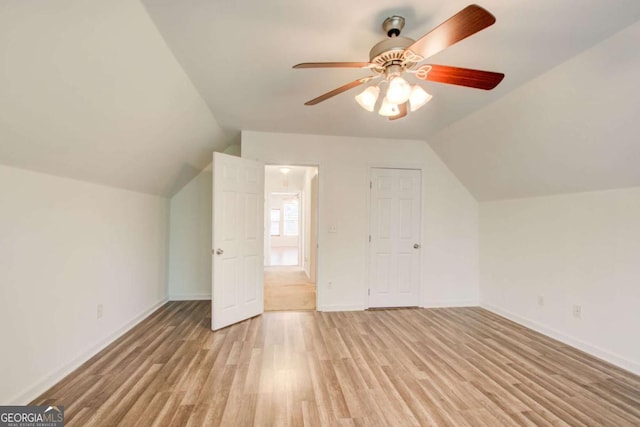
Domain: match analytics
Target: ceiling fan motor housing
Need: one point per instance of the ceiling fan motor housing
(390, 51)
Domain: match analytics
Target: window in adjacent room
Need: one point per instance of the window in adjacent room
(275, 222)
(291, 217)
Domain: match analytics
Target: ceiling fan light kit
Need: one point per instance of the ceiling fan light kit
(388, 109)
(397, 57)
(368, 97)
(398, 91)
(418, 97)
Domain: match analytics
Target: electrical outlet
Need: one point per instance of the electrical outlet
(100, 311)
(329, 285)
(540, 300)
(577, 311)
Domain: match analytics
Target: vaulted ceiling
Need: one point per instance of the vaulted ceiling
(89, 90)
(108, 93)
(239, 55)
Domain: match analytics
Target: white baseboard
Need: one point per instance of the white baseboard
(342, 308)
(567, 339)
(450, 303)
(189, 297)
(37, 389)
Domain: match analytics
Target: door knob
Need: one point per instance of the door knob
(219, 251)
(416, 246)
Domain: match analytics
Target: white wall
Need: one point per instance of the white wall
(450, 221)
(65, 247)
(581, 248)
(190, 240)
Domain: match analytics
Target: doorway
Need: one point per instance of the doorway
(290, 241)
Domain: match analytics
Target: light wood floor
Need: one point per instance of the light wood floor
(284, 255)
(286, 289)
(459, 366)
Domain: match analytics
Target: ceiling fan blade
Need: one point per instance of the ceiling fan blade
(465, 23)
(334, 65)
(478, 79)
(339, 90)
(401, 113)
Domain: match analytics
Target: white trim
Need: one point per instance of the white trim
(190, 297)
(449, 303)
(55, 376)
(593, 350)
(358, 307)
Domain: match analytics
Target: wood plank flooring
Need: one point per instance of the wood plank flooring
(410, 367)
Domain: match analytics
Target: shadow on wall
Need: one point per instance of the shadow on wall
(188, 172)
(233, 150)
(186, 175)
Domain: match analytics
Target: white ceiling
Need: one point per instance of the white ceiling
(239, 55)
(90, 90)
(575, 128)
(275, 180)
(295, 173)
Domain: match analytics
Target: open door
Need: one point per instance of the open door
(238, 253)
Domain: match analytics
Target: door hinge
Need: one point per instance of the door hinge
(369, 238)
(369, 291)
(370, 184)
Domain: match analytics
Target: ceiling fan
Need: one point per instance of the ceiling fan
(396, 55)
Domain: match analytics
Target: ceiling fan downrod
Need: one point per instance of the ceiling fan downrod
(393, 25)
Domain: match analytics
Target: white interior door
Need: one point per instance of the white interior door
(238, 231)
(394, 249)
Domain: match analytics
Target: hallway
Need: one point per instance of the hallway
(288, 289)
(284, 256)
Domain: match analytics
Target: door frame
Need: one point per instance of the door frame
(413, 166)
(317, 224)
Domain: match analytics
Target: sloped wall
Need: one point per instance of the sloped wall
(67, 246)
(574, 249)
